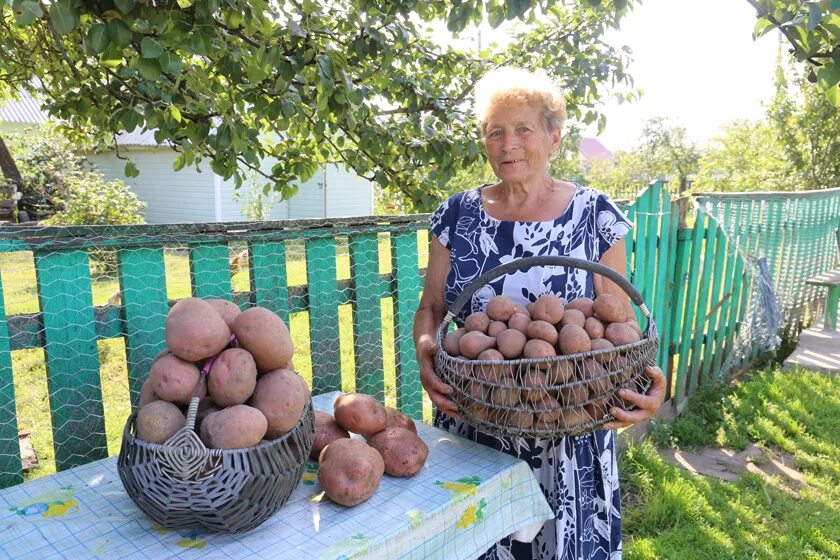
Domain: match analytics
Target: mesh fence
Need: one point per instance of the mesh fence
(786, 238)
(85, 311)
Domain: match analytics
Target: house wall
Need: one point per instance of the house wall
(170, 197)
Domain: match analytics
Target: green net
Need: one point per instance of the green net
(85, 310)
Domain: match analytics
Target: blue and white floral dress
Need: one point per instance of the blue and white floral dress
(578, 474)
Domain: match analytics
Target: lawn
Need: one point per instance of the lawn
(671, 514)
(29, 373)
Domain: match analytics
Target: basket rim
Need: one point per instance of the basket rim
(214, 452)
(551, 359)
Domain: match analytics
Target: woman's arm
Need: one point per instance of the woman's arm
(427, 319)
(646, 405)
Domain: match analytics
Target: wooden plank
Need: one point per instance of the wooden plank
(11, 466)
(679, 328)
(669, 227)
(406, 299)
(737, 286)
(72, 358)
(660, 292)
(367, 314)
(715, 301)
(324, 299)
(725, 296)
(210, 271)
(640, 258)
(142, 275)
(701, 319)
(269, 282)
(693, 309)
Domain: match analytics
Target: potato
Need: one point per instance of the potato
(511, 343)
(537, 348)
(403, 453)
(542, 330)
(529, 307)
(506, 396)
(547, 419)
(517, 419)
(234, 427)
(573, 339)
(521, 309)
(361, 414)
(629, 313)
(206, 406)
(491, 372)
(602, 344)
(349, 471)
(620, 334)
(572, 317)
(635, 326)
(450, 341)
(520, 322)
(594, 328)
(158, 421)
(496, 327)
(227, 310)
(601, 382)
(327, 431)
(574, 394)
(584, 305)
(174, 379)
(500, 308)
(534, 388)
(474, 343)
(147, 394)
(559, 372)
(195, 331)
(596, 410)
(281, 395)
(232, 377)
(264, 334)
(609, 308)
(478, 321)
(398, 419)
(476, 410)
(573, 418)
(549, 308)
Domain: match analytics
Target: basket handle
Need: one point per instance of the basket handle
(527, 262)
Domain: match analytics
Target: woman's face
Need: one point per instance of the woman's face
(518, 146)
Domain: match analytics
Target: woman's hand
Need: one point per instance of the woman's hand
(646, 405)
(437, 389)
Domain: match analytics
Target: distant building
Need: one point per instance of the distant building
(190, 196)
(592, 149)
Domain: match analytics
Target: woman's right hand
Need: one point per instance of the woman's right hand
(437, 389)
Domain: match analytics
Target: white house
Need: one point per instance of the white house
(192, 196)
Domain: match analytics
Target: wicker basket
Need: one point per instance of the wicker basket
(181, 483)
(546, 397)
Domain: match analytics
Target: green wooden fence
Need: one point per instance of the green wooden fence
(688, 264)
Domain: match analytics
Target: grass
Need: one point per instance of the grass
(19, 284)
(671, 514)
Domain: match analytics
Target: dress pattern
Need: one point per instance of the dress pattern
(577, 474)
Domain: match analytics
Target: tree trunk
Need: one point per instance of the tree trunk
(8, 166)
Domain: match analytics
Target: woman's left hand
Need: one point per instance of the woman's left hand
(646, 405)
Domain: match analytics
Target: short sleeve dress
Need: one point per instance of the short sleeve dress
(578, 474)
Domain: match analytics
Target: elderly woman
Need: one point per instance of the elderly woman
(530, 213)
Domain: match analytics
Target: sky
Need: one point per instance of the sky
(697, 64)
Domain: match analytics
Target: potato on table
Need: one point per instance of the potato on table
(234, 427)
(173, 379)
(349, 471)
(403, 452)
(327, 431)
(195, 331)
(360, 414)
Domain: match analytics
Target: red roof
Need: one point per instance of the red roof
(591, 148)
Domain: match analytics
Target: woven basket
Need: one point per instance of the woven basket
(546, 397)
(181, 483)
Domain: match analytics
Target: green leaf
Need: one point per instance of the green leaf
(64, 16)
(131, 169)
(119, 33)
(129, 120)
(184, 4)
(170, 62)
(150, 48)
(112, 57)
(833, 95)
(496, 16)
(125, 6)
(98, 37)
(814, 15)
(175, 113)
(149, 68)
(762, 26)
(26, 11)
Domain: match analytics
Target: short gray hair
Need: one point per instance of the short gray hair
(508, 85)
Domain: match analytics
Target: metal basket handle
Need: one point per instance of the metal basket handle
(570, 262)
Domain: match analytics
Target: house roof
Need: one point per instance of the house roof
(27, 110)
(591, 148)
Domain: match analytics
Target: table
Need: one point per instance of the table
(465, 498)
(830, 280)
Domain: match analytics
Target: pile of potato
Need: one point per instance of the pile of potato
(350, 470)
(544, 328)
(252, 392)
